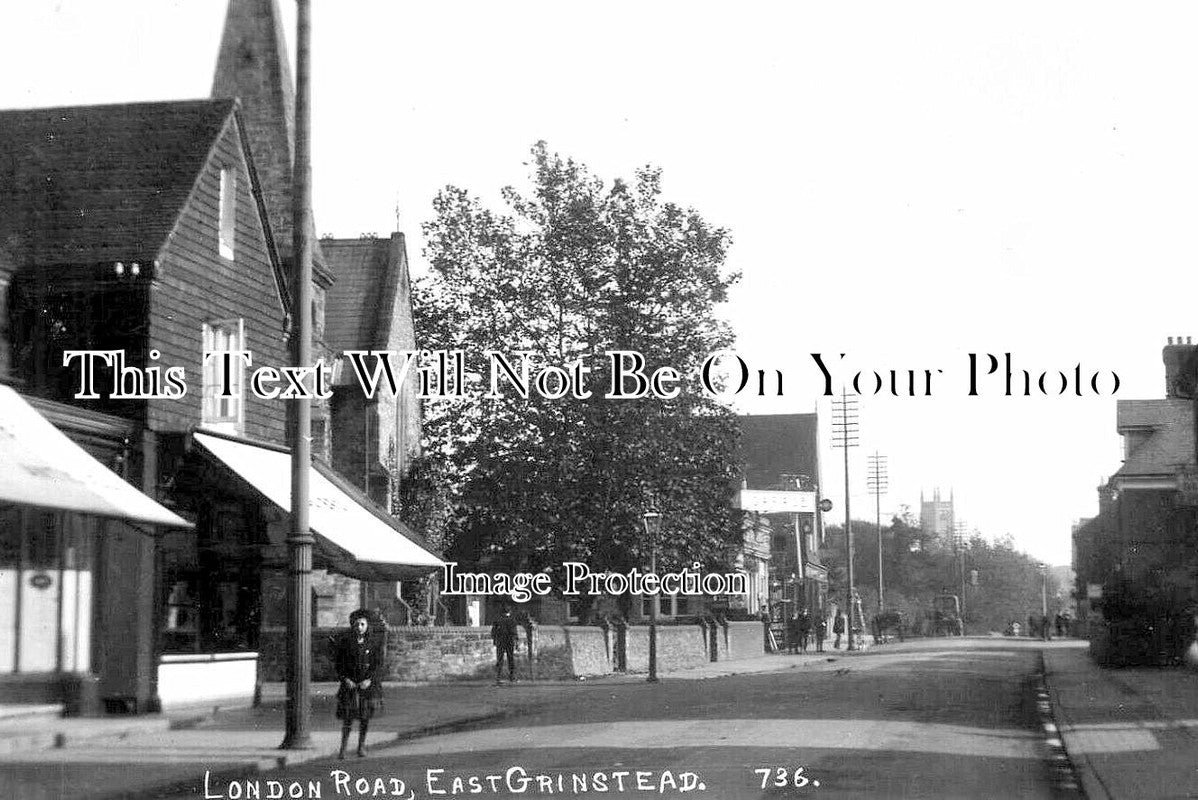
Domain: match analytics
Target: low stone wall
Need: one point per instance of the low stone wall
(448, 653)
(743, 640)
(564, 651)
(678, 647)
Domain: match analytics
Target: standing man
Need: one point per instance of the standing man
(804, 629)
(504, 633)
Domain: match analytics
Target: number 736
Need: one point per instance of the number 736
(781, 777)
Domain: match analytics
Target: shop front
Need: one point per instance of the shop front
(224, 586)
(62, 621)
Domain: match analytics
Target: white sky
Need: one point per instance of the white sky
(905, 183)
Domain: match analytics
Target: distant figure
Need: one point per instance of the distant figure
(1045, 631)
(804, 629)
(1060, 623)
(504, 634)
(821, 631)
(1031, 626)
(838, 627)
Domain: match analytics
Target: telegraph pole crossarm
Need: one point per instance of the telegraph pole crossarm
(878, 484)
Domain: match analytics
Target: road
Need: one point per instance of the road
(938, 719)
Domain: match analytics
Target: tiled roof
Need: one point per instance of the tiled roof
(358, 305)
(1169, 446)
(776, 444)
(88, 184)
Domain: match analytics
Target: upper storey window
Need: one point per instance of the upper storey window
(228, 211)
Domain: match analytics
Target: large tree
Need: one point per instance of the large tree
(570, 270)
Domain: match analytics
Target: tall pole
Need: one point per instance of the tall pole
(299, 543)
(963, 586)
(652, 526)
(959, 544)
(1044, 601)
(844, 435)
(878, 483)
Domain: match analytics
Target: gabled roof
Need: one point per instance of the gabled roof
(90, 184)
(773, 445)
(1169, 428)
(370, 275)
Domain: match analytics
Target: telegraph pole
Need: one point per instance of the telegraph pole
(878, 483)
(844, 435)
(299, 543)
(959, 540)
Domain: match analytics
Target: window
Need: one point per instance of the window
(228, 211)
(318, 299)
(670, 605)
(224, 409)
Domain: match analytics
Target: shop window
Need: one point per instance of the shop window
(10, 536)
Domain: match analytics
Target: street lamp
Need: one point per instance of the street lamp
(652, 520)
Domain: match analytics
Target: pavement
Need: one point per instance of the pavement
(1129, 732)
(54, 758)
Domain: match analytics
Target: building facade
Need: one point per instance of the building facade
(1136, 563)
(780, 490)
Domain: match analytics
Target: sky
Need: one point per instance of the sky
(907, 184)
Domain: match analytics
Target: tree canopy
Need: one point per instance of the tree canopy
(1008, 588)
(569, 270)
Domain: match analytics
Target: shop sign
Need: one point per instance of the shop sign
(774, 502)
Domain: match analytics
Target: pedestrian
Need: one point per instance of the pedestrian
(1031, 626)
(1044, 629)
(358, 662)
(504, 633)
(821, 631)
(1059, 621)
(838, 627)
(804, 629)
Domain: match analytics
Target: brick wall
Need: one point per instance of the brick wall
(561, 651)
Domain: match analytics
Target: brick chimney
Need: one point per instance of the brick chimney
(1181, 363)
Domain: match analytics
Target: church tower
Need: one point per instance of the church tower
(253, 66)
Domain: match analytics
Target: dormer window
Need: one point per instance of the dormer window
(228, 211)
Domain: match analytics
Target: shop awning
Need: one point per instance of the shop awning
(40, 466)
(354, 537)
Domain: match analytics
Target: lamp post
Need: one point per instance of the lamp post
(298, 709)
(652, 520)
